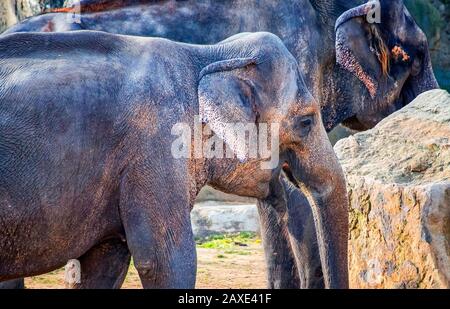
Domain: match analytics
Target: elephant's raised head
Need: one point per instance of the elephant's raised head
(263, 85)
(382, 45)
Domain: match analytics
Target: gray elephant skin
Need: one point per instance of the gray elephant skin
(327, 53)
(86, 159)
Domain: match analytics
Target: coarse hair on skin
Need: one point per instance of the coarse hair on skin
(381, 50)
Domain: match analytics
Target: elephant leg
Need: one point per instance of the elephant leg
(289, 238)
(282, 272)
(303, 238)
(12, 284)
(104, 266)
(158, 230)
(163, 249)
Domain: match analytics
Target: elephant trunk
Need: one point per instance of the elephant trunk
(331, 220)
(420, 83)
(425, 80)
(321, 179)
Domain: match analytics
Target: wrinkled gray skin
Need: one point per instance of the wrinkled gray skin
(85, 150)
(308, 30)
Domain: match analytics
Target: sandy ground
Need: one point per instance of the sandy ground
(236, 267)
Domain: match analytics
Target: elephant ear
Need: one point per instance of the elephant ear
(360, 47)
(360, 51)
(226, 98)
(362, 37)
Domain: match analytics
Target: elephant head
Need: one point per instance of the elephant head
(380, 43)
(266, 87)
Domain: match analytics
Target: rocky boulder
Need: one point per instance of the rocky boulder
(210, 218)
(398, 177)
(209, 194)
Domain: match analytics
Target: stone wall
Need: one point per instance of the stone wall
(215, 218)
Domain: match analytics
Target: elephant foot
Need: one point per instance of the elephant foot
(12, 284)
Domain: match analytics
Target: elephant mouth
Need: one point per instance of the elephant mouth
(292, 170)
(354, 124)
(408, 94)
(289, 175)
(388, 106)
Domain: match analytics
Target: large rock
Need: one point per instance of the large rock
(209, 194)
(398, 177)
(216, 218)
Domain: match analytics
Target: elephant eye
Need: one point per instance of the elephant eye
(304, 124)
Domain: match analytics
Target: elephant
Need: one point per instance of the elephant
(352, 68)
(90, 169)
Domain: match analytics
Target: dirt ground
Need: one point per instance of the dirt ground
(220, 266)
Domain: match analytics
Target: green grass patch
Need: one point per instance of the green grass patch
(228, 241)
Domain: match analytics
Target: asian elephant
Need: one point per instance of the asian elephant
(359, 72)
(88, 164)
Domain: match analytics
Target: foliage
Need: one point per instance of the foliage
(47, 4)
(426, 15)
(433, 20)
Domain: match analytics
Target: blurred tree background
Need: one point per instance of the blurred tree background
(433, 16)
(13, 11)
(51, 3)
